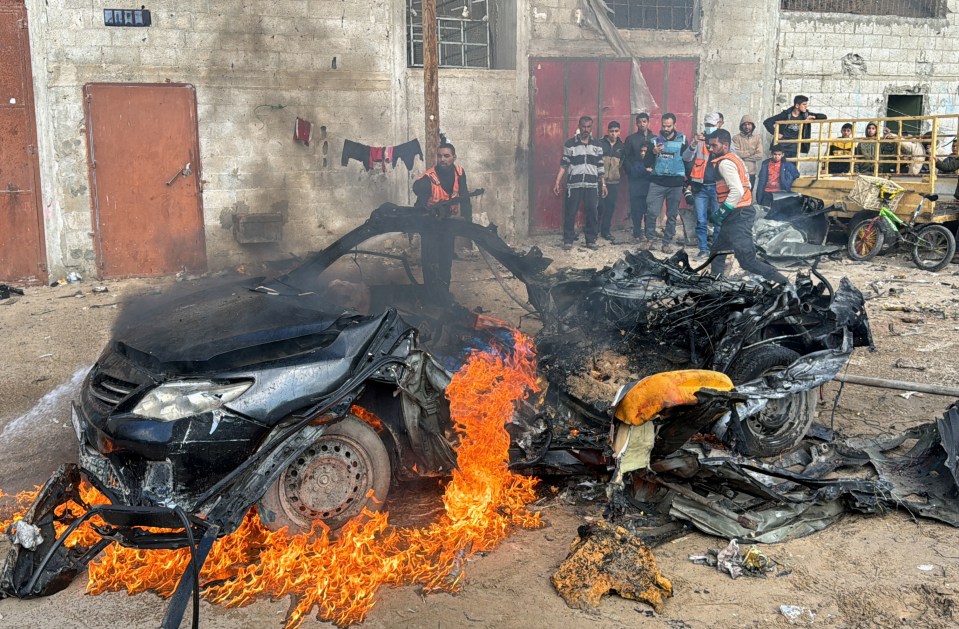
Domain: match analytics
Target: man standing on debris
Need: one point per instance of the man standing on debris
(613, 153)
(749, 146)
(736, 213)
(703, 186)
(792, 131)
(667, 178)
(775, 175)
(582, 165)
(634, 157)
(444, 182)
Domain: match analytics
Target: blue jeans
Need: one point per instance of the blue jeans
(706, 203)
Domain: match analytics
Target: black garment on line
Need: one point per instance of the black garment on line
(407, 152)
(357, 151)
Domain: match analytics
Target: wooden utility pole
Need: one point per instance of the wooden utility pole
(431, 85)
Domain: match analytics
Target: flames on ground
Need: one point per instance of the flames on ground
(341, 574)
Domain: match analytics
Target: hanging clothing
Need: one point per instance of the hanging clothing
(407, 153)
(372, 156)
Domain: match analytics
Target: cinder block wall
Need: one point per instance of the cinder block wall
(256, 66)
(898, 56)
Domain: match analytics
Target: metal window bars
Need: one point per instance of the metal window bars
(899, 8)
(464, 36)
(670, 15)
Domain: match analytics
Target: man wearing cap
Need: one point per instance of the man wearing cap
(703, 184)
(736, 213)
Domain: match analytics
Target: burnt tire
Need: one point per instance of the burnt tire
(784, 422)
(935, 246)
(865, 238)
(331, 481)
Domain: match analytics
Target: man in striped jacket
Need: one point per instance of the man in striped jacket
(582, 165)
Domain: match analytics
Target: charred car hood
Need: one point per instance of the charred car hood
(227, 327)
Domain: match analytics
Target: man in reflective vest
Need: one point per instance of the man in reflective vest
(443, 182)
(736, 213)
(703, 183)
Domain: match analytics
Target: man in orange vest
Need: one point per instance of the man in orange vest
(444, 182)
(736, 213)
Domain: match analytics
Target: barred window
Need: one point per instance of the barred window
(665, 15)
(900, 8)
(463, 33)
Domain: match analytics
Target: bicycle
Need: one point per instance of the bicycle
(933, 246)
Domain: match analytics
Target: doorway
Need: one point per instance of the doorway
(22, 252)
(905, 105)
(565, 89)
(145, 176)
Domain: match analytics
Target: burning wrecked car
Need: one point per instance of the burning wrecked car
(309, 394)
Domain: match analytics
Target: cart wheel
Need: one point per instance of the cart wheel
(865, 239)
(934, 248)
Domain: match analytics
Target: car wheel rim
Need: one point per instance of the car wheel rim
(329, 481)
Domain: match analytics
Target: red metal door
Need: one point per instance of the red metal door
(22, 251)
(145, 174)
(564, 90)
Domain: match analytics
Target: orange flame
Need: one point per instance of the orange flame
(340, 575)
(367, 416)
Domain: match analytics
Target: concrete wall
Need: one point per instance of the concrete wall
(848, 65)
(257, 64)
(734, 46)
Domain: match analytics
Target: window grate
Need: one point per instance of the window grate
(463, 31)
(666, 15)
(900, 8)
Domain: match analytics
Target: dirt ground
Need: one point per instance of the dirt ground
(861, 572)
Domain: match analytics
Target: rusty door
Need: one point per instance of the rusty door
(22, 251)
(565, 89)
(144, 173)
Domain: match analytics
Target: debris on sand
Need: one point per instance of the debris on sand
(609, 558)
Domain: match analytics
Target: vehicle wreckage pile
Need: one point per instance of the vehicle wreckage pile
(255, 394)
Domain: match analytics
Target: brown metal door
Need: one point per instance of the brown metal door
(22, 252)
(144, 171)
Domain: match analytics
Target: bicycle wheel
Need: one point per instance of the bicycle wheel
(934, 248)
(865, 239)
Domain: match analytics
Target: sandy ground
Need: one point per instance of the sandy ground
(862, 572)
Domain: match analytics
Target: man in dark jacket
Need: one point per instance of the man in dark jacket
(634, 165)
(792, 131)
(775, 175)
(613, 152)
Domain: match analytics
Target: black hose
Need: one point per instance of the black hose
(196, 569)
